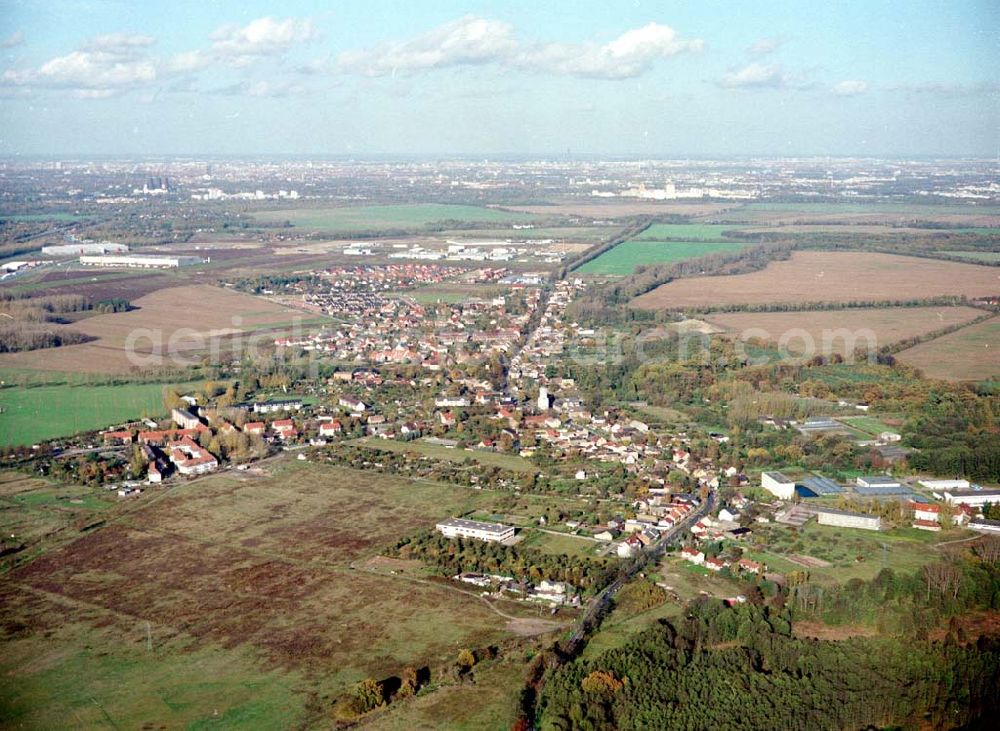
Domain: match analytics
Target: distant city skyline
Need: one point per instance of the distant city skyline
(668, 79)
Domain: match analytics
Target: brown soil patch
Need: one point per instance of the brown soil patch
(820, 631)
(824, 276)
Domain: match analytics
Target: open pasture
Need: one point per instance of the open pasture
(387, 218)
(30, 415)
(236, 580)
(821, 276)
(842, 330)
(624, 258)
(969, 354)
(188, 316)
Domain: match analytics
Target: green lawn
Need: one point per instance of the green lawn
(30, 415)
(567, 545)
(624, 258)
(685, 232)
(376, 218)
(868, 424)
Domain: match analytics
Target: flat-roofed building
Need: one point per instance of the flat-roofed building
(972, 497)
(137, 261)
(878, 481)
(946, 484)
(778, 485)
(461, 528)
(819, 485)
(982, 525)
(847, 519)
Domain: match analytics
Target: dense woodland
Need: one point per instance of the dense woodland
(742, 668)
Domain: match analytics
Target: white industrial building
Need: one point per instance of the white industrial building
(136, 261)
(778, 485)
(982, 525)
(972, 497)
(461, 528)
(878, 481)
(90, 247)
(945, 484)
(847, 519)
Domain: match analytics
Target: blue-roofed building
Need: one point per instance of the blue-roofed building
(818, 486)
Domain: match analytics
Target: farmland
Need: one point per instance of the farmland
(387, 218)
(624, 258)
(969, 354)
(820, 276)
(232, 600)
(220, 313)
(868, 327)
(31, 415)
(854, 213)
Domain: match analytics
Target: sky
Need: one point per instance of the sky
(634, 78)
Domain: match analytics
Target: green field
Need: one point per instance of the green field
(31, 415)
(512, 462)
(989, 256)
(624, 258)
(61, 217)
(387, 218)
(867, 424)
(852, 553)
(685, 232)
(567, 545)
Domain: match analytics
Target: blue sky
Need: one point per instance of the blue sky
(696, 78)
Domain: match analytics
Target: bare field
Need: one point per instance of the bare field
(262, 571)
(821, 276)
(187, 313)
(888, 325)
(969, 354)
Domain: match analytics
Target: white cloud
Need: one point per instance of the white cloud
(101, 67)
(948, 89)
(188, 61)
(765, 46)
(631, 54)
(123, 44)
(850, 87)
(468, 40)
(476, 41)
(261, 37)
(14, 39)
(755, 75)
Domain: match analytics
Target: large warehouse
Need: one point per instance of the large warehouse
(136, 261)
(972, 497)
(460, 528)
(846, 519)
(778, 485)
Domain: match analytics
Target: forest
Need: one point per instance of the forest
(742, 668)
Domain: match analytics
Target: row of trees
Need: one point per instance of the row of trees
(454, 556)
